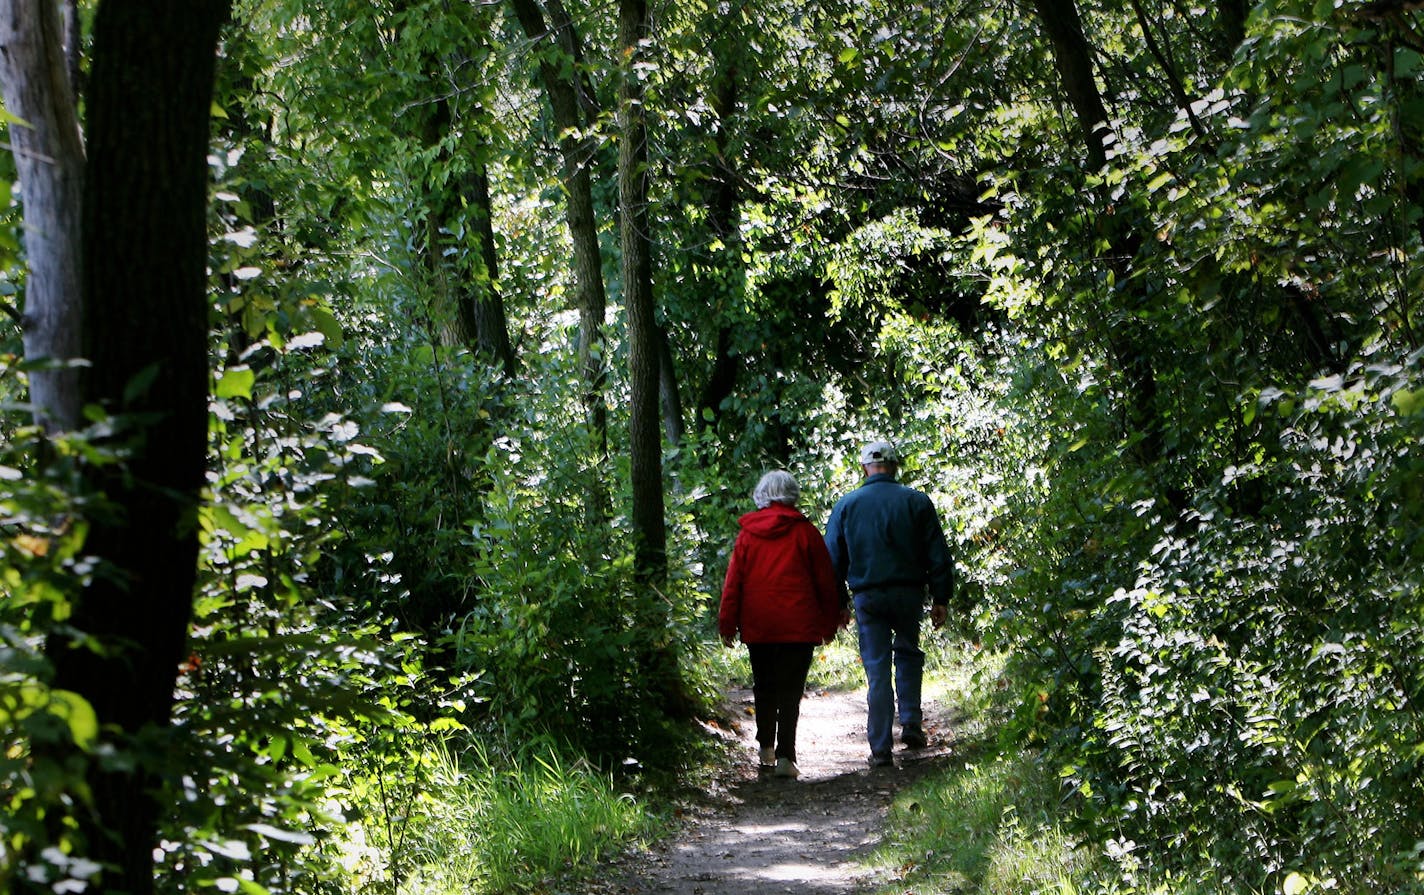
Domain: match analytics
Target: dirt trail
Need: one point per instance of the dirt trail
(756, 835)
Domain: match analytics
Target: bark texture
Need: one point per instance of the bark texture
(483, 300)
(469, 289)
(49, 159)
(645, 448)
(1073, 58)
(144, 283)
(575, 109)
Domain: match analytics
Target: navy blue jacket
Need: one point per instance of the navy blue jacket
(887, 536)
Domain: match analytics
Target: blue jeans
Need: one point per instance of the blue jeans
(889, 624)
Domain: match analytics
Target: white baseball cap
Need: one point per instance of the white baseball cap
(879, 452)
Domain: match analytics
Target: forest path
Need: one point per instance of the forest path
(755, 834)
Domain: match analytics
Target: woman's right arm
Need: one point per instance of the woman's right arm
(730, 613)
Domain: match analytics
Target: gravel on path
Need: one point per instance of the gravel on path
(755, 834)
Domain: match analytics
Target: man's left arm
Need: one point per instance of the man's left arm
(939, 565)
(840, 560)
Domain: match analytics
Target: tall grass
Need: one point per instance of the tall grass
(987, 827)
(490, 823)
(990, 823)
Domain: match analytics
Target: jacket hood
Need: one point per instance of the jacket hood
(772, 522)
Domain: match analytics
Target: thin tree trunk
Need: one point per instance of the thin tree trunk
(645, 449)
(722, 222)
(668, 389)
(1161, 50)
(49, 158)
(1073, 58)
(468, 292)
(571, 105)
(482, 298)
(144, 277)
(659, 668)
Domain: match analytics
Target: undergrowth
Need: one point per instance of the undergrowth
(999, 820)
(506, 823)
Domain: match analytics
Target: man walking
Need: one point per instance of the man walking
(887, 545)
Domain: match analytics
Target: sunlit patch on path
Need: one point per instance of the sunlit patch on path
(759, 834)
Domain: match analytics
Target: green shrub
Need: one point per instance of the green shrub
(492, 822)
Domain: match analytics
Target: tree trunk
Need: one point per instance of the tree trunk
(722, 221)
(468, 290)
(669, 390)
(1073, 58)
(571, 105)
(144, 277)
(645, 448)
(482, 299)
(659, 669)
(49, 159)
(1231, 18)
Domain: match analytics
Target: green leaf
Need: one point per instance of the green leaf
(327, 324)
(138, 386)
(79, 715)
(1157, 182)
(302, 752)
(235, 382)
(1408, 401)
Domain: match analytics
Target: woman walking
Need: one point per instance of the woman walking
(780, 595)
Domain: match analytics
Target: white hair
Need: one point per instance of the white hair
(776, 486)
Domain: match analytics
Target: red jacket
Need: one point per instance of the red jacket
(780, 585)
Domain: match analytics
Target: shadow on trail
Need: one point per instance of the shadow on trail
(756, 834)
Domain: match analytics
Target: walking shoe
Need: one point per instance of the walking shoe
(785, 767)
(881, 760)
(767, 757)
(913, 737)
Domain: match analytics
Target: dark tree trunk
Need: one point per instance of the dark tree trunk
(146, 312)
(574, 107)
(645, 449)
(35, 83)
(468, 289)
(1073, 58)
(483, 300)
(658, 662)
(1231, 24)
(722, 222)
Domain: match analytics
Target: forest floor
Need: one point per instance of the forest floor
(754, 834)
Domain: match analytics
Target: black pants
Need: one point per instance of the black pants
(778, 680)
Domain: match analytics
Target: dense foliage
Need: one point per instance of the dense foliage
(1161, 372)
